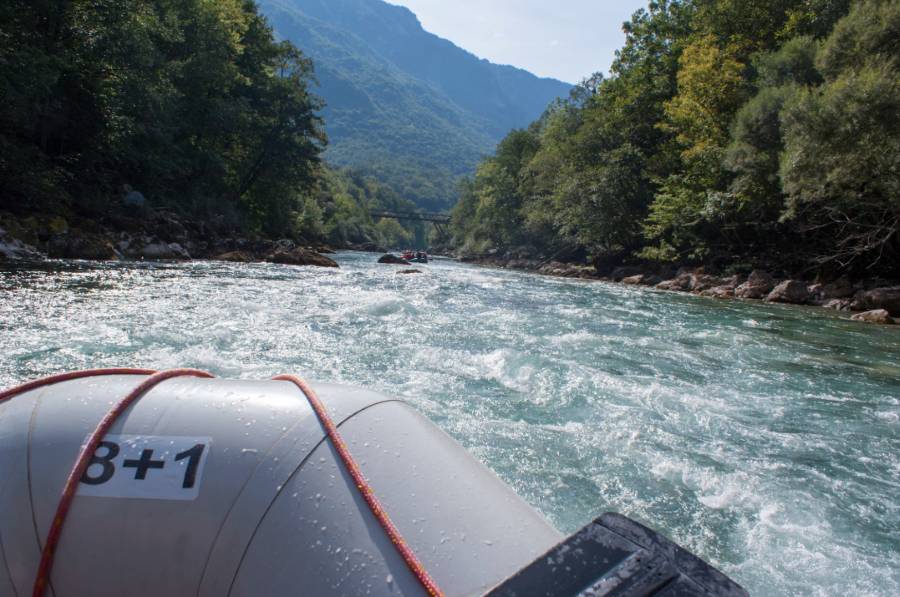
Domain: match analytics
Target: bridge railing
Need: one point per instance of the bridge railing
(412, 216)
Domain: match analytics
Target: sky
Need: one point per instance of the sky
(565, 39)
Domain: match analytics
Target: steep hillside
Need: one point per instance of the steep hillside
(403, 104)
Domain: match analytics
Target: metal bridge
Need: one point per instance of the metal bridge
(440, 221)
(415, 216)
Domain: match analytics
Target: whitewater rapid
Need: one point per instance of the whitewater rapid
(764, 438)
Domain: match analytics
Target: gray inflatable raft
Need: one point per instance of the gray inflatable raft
(208, 487)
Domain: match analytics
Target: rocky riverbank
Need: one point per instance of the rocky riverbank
(871, 301)
(156, 235)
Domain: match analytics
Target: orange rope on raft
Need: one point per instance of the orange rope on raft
(42, 579)
(155, 378)
(406, 552)
(53, 379)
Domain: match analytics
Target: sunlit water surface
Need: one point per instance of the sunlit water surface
(764, 438)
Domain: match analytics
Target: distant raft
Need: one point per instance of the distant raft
(209, 487)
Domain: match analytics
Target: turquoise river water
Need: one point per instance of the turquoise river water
(764, 438)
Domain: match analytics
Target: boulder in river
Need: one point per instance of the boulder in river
(300, 256)
(391, 259)
(876, 316)
(409, 271)
(757, 286)
(789, 291)
(879, 298)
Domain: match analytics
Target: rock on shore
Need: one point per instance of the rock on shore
(235, 257)
(566, 270)
(758, 285)
(841, 294)
(13, 248)
(90, 246)
(158, 251)
(826, 294)
(719, 292)
(887, 299)
(789, 291)
(680, 283)
(154, 236)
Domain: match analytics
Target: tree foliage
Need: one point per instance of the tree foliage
(345, 200)
(762, 133)
(192, 102)
(841, 164)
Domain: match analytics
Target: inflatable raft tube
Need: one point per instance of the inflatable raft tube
(209, 487)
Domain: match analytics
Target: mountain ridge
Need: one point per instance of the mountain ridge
(409, 107)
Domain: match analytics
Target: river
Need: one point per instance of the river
(764, 438)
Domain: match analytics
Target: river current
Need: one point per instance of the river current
(764, 438)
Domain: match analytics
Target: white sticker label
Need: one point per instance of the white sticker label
(150, 467)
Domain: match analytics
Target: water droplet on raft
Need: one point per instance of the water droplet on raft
(389, 579)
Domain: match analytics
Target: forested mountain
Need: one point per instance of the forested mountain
(733, 134)
(191, 105)
(406, 105)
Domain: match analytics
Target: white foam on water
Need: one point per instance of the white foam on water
(764, 438)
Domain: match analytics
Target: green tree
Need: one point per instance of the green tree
(687, 214)
(190, 101)
(753, 204)
(393, 235)
(841, 165)
(728, 132)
